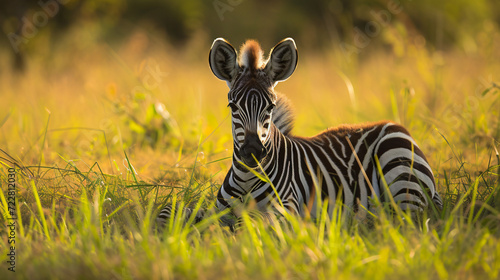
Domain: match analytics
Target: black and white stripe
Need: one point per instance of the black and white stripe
(167, 212)
(294, 163)
(342, 163)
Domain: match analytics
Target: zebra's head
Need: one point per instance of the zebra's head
(251, 81)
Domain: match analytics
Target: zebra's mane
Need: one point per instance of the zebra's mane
(283, 117)
(251, 55)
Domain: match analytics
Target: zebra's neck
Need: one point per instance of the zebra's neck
(243, 178)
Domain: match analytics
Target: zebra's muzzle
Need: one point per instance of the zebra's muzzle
(252, 146)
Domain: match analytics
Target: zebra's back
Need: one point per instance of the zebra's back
(348, 161)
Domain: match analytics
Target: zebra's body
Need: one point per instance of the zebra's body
(297, 165)
(342, 163)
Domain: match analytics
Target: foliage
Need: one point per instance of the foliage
(148, 121)
(316, 23)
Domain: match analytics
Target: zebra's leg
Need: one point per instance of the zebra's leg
(167, 213)
(227, 220)
(268, 218)
(273, 215)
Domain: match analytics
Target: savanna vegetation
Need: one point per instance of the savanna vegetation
(109, 111)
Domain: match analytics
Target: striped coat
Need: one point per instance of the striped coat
(351, 164)
(297, 165)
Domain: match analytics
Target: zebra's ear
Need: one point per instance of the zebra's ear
(223, 60)
(282, 61)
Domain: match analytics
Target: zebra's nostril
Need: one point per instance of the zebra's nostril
(252, 146)
(252, 151)
(248, 151)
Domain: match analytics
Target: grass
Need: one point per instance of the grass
(90, 181)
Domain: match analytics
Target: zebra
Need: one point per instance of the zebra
(354, 164)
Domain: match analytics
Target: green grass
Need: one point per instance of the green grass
(96, 237)
(90, 181)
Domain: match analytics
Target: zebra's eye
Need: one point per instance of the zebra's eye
(233, 107)
(270, 108)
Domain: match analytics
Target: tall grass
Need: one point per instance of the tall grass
(94, 238)
(90, 183)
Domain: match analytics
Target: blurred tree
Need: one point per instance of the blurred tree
(318, 23)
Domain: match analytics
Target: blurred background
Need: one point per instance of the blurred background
(316, 25)
(89, 79)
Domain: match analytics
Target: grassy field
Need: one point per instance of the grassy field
(104, 134)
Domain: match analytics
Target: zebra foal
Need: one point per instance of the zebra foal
(353, 164)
